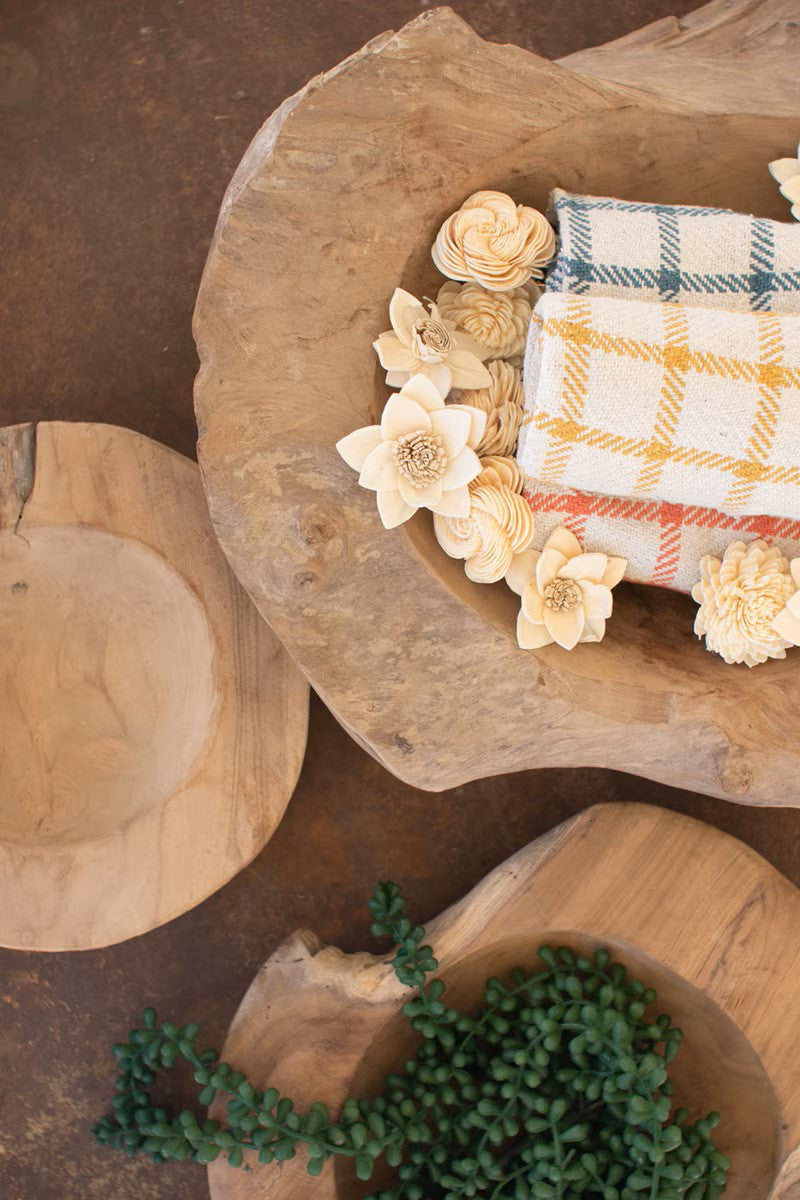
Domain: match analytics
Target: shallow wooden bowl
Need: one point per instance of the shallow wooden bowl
(338, 201)
(151, 726)
(694, 913)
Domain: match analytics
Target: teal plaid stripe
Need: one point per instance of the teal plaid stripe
(759, 260)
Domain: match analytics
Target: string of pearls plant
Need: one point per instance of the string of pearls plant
(557, 1089)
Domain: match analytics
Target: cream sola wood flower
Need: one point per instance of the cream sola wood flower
(566, 594)
(503, 402)
(494, 242)
(787, 172)
(422, 455)
(749, 607)
(422, 343)
(498, 526)
(497, 320)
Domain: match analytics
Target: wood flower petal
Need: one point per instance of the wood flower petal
(452, 425)
(787, 625)
(585, 566)
(461, 469)
(424, 497)
(403, 415)
(791, 189)
(454, 503)
(379, 472)
(784, 168)
(396, 379)
(614, 572)
(470, 345)
(393, 509)
(404, 312)
(439, 375)
(563, 540)
(533, 604)
(522, 570)
(530, 636)
(393, 354)
(564, 625)
(467, 370)
(793, 605)
(593, 631)
(550, 563)
(357, 445)
(597, 601)
(424, 391)
(794, 568)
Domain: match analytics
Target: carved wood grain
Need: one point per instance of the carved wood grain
(336, 202)
(151, 726)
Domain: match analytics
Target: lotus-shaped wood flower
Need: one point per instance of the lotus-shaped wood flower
(420, 456)
(566, 594)
(494, 242)
(423, 343)
(787, 172)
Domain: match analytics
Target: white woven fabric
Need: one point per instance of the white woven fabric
(690, 405)
(704, 257)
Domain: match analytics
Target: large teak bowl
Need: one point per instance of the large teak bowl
(692, 912)
(337, 202)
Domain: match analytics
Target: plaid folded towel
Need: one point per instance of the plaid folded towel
(691, 405)
(662, 542)
(707, 257)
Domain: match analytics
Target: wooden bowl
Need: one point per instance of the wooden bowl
(151, 726)
(338, 201)
(693, 912)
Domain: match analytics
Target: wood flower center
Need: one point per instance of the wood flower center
(420, 457)
(564, 594)
(433, 340)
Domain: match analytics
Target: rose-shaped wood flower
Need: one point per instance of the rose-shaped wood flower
(744, 598)
(787, 172)
(497, 320)
(494, 242)
(422, 343)
(503, 402)
(498, 526)
(566, 594)
(420, 456)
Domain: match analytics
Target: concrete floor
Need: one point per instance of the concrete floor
(120, 125)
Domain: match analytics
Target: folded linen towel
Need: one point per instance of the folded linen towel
(708, 257)
(662, 542)
(691, 405)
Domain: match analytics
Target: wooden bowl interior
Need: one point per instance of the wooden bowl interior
(634, 155)
(107, 689)
(717, 1066)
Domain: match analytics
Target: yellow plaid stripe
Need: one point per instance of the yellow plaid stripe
(676, 337)
(771, 374)
(575, 433)
(765, 421)
(575, 386)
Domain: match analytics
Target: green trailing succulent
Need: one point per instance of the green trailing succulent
(557, 1089)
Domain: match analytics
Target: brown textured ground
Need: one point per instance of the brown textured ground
(120, 125)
